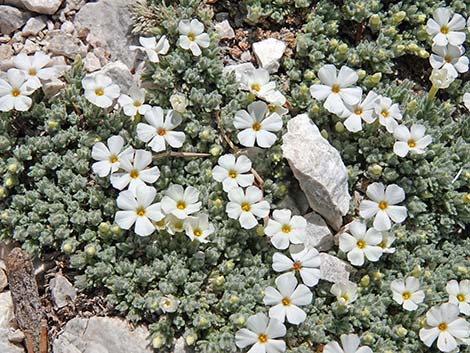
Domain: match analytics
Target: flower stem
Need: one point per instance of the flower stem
(432, 92)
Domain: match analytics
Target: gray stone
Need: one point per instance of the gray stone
(101, 335)
(62, 291)
(46, 7)
(52, 87)
(91, 62)
(268, 52)
(16, 335)
(11, 19)
(318, 235)
(319, 169)
(6, 51)
(181, 347)
(7, 324)
(333, 269)
(111, 22)
(120, 75)
(61, 43)
(224, 30)
(3, 280)
(33, 26)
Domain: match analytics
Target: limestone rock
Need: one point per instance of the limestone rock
(11, 19)
(101, 335)
(3, 280)
(318, 235)
(120, 75)
(33, 26)
(319, 169)
(224, 30)
(268, 52)
(91, 62)
(62, 291)
(7, 317)
(333, 269)
(46, 7)
(181, 347)
(111, 22)
(61, 43)
(6, 51)
(52, 87)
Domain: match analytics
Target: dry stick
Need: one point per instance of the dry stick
(43, 344)
(24, 292)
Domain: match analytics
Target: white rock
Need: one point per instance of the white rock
(6, 52)
(333, 269)
(3, 280)
(52, 87)
(46, 7)
(318, 235)
(30, 47)
(111, 22)
(319, 169)
(11, 19)
(246, 56)
(62, 291)
(91, 62)
(268, 52)
(62, 43)
(33, 26)
(101, 335)
(67, 27)
(180, 346)
(224, 30)
(7, 317)
(120, 74)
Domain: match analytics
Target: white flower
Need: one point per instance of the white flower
(34, 67)
(277, 108)
(152, 48)
(256, 81)
(383, 205)
(174, 225)
(336, 88)
(257, 125)
(361, 111)
(345, 292)
(181, 202)
(459, 294)
(441, 78)
(450, 57)
(445, 30)
(245, 205)
(466, 100)
(386, 243)
(412, 141)
(135, 171)
(160, 131)
(284, 228)
(306, 263)
(443, 323)
(109, 157)
(100, 90)
(192, 36)
(179, 102)
(230, 172)
(198, 228)
(138, 208)
(349, 344)
(261, 334)
(168, 304)
(14, 92)
(134, 102)
(362, 242)
(407, 293)
(286, 299)
(388, 113)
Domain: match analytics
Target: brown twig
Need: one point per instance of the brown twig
(43, 344)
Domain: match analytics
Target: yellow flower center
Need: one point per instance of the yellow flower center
(383, 205)
(286, 228)
(255, 87)
(197, 232)
(245, 206)
(160, 223)
(271, 108)
(345, 297)
(382, 244)
(361, 244)
(140, 211)
(137, 104)
(442, 326)
(262, 338)
(358, 111)
(15, 92)
(99, 92)
(335, 88)
(444, 29)
(113, 158)
(167, 303)
(232, 174)
(460, 297)
(411, 143)
(447, 59)
(32, 72)
(191, 37)
(134, 173)
(256, 126)
(406, 295)
(384, 113)
(161, 132)
(178, 225)
(297, 266)
(181, 205)
(285, 301)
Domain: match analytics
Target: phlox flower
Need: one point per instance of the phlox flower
(449, 57)
(138, 208)
(100, 90)
(441, 78)
(233, 171)
(262, 334)
(336, 88)
(445, 30)
(174, 225)
(159, 130)
(413, 140)
(152, 48)
(356, 113)
(192, 36)
(257, 82)
(109, 157)
(388, 113)
(35, 68)
(246, 205)
(386, 243)
(14, 92)
(383, 205)
(345, 292)
(306, 263)
(362, 242)
(407, 293)
(181, 202)
(168, 304)
(257, 125)
(349, 344)
(286, 298)
(459, 294)
(443, 323)
(283, 229)
(134, 102)
(198, 228)
(134, 171)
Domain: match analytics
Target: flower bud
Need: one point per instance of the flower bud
(12, 168)
(398, 17)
